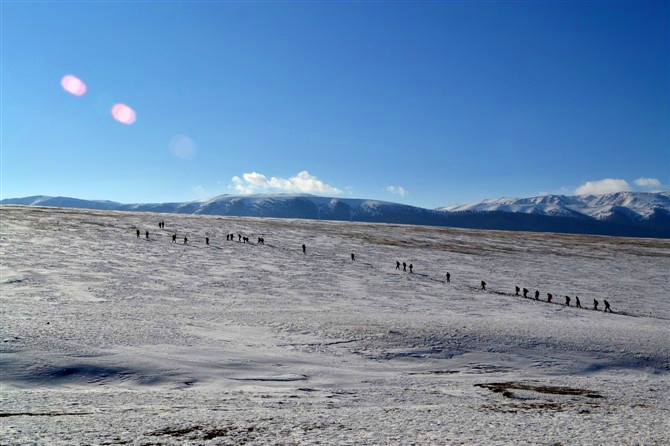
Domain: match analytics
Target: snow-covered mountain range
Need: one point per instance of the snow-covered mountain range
(625, 206)
(642, 214)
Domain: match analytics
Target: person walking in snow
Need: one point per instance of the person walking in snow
(410, 268)
(304, 249)
(525, 293)
(206, 240)
(138, 233)
(483, 286)
(185, 240)
(516, 290)
(174, 238)
(595, 304)
(567, 300)
(577, 303)
(448, 277)
(404, 266)
(146, 234)
(537, 295)
(353, 258)
(239, 237)
(607, 306)
(397, 265)
(549, 297)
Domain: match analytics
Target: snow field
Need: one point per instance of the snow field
(110, 339)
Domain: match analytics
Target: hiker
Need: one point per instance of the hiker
(410, 268)
(304, 249)
(448, 277)
(353, 258)
(138, 233)
(525, 293)
(404, 266)
(206, 240)
(537, 295)
(549, 297)
(146, 234)
(483, 286)
(397, 265)
(607, 306)
(185, 240)
(577, 303)
(595, 304)
(174, 238)
(239, 237)
(567, 301)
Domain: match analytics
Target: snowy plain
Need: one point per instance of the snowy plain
(112, 339)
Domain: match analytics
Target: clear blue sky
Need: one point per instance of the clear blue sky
(453, 101)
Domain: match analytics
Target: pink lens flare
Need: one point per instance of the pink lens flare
(73, 85)
(123, 114)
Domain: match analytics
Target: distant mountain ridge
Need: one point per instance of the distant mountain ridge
(626, 207)
(637, 214)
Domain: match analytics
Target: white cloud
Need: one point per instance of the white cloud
(606, 186)
(303, 182)
(398, 190)
(648, 182)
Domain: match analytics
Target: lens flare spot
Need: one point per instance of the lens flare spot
(73, 85)
(183, 147)
(123, 114)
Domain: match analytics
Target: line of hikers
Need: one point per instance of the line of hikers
(404, 266)
(482, 285)
(550, 298)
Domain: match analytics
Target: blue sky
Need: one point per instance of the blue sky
(429, 104)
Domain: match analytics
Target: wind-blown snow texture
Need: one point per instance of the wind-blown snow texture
(113, 339)
(636, 214)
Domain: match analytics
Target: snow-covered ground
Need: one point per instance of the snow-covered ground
(111, 339)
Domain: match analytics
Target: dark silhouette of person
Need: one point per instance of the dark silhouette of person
(138, 233)
(448, 277)
(146, 234)
(404, 266)
(397, 265)
(537, 295)
(483, 286)
(185, 240)
(516, 290)
(304, 249)
(239, 237)
(607, 306)
(595, 304)
(174, 238)
(567, 300)
(549, 297)
(525, 292)
(207, 240)
(410, 268)
(577, 303)
(353, 258)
